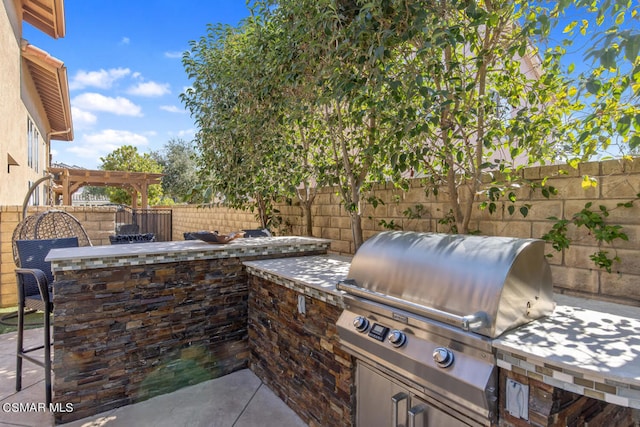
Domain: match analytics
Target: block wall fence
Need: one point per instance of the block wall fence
(98, 221)
(573, 272)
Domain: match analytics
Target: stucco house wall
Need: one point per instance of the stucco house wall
(20, 104)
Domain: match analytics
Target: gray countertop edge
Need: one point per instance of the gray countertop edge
(146, 253)
(318, 272)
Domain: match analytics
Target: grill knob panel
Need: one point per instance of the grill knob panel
(361, 324)
(443, 357)
(397, 338)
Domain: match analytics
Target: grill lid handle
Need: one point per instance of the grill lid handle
(476, 321)
(471, 322)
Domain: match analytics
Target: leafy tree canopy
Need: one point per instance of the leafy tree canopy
(462, 92)
(178, 162)
(127, 158)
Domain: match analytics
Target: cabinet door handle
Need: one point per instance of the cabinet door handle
(418, 409)
(397, 398)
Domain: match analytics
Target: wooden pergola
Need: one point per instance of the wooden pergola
(67, 181)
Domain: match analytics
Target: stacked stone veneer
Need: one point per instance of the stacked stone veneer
(550, 406)
(98, 221)
(573, 272)
(298, 355)
(149, 325)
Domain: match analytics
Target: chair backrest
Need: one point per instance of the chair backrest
(129, 229)
(259, 232)
(32, 253)
(51, 224)
(119, 239)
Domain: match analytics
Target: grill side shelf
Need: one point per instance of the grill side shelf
(472, 322)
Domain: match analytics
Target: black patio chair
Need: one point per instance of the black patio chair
(258, 232)
(128, 229)
(35, 279)
(120, 239)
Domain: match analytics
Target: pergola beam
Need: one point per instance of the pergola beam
(67, 181)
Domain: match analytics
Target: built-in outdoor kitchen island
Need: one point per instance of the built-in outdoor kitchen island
(133, 321)
(137, 320)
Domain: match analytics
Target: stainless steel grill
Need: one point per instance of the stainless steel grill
(422, 310)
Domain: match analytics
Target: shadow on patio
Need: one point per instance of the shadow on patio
(239, 399)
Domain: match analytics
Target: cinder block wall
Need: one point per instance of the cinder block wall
(573, 271)
(225, 220)
(98, 221)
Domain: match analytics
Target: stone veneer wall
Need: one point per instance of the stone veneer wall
(98, 221)
(573, 272)
(122, 335)
(298, 355)
(147, 324)
(553, 407)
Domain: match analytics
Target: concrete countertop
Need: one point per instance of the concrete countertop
(162, 252)
(585, 346)
(315, 276)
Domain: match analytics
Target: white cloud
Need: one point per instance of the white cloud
(99, 144)
(102, 79)
(82, 118)
(149, 89)
(96, 102)
(173, 55)
(125, 40)
(116, 138)
(172, 109)
(185, 133)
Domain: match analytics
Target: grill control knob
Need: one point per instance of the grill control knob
(397, 338)
(443, 357)
(361, 324)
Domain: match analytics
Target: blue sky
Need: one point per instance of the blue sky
(125, 72)
(123, 60)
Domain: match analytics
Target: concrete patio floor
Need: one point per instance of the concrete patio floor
(236, 400)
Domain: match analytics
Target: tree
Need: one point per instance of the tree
(607, 85)
(127, 158)
(247, 158)
(377, 90)
(178, 162)
(399, 88)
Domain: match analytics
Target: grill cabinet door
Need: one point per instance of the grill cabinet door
(386, 403)
(421, 414)
(374, 399)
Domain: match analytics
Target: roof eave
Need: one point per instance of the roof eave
(50, 78)
(45, 15)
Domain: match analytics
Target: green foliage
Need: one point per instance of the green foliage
(594, 220)
(449, 221)
(389, 225)
(352, 92)
(415, 212)
(127, 158)
(178, 161)
(375, 201)
(607, 90)
(254, 146)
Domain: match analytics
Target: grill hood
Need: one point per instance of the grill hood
(484, 284)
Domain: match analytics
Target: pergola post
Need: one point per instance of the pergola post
(66, 191)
